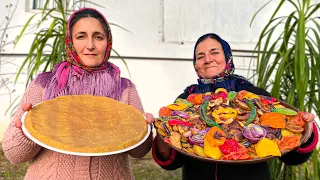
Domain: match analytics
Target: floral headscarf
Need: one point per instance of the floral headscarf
(71, 77)
(72, 56)
(73, 59)
(226, 79)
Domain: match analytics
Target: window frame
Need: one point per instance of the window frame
(30, 4)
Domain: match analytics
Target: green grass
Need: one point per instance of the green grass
(143, 169)
(147, 169)
(9, 171)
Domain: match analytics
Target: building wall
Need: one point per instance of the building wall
(158, 45)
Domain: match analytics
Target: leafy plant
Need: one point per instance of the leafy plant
(308, 170)
(292, 58)
(48, 46)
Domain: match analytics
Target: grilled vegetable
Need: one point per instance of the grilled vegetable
(204, 116)
(273, 119)
(231, 95)
(266, 147)
(177, 106)
(253, 112)
(210, 151)
(229, 146)
(285, 111)
(254, 133)
(180, 113)
(216, 136)
(184, 101)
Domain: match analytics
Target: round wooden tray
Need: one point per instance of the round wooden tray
(307, 128)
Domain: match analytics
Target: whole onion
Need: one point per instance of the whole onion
(254, 133)
(180, 113)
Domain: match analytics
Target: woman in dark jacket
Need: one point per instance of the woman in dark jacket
(214, 65)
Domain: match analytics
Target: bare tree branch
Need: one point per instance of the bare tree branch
(6, 78)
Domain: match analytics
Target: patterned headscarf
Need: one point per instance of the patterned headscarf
(73, 59)
(72, 56)
(226, 79)
(71, 77)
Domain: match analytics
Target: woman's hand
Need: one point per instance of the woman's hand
(163, 148)
(145, 147)
(25, 107)
(308, 118)
(149, 118)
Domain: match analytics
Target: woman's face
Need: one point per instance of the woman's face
(210, 59)
(90, 41)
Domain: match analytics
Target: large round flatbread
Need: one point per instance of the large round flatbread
(85, 123)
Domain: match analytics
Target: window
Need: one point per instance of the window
(185, 20)
(69, 4)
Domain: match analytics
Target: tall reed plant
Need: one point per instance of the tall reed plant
(288, 63)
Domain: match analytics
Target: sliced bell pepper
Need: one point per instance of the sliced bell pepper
(278, 106)
(251, 95)
(204, 116)
(268, 100)
(174, 122)
(215, 136)
(184, 101)
(273, 119)
(253, 112)
(221, 94)
(210, 151)
(177, 106)
(231, 95)
(224, 113)
(267, 147)
(220, 89)
(285, 111)
(198, 99)
(190, 98)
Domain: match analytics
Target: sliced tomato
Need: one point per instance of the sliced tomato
(164, 111)
(229, 146)
(297, 119)
(236, 156)
(241, 154)
(190, 98)
(289, 142)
